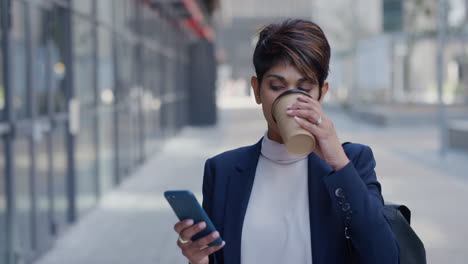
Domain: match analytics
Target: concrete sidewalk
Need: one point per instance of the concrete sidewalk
(133, 224)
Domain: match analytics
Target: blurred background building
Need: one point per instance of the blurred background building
(384, 52)
(377, 45)
(88, 90)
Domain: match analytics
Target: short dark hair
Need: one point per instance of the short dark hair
(299, 42)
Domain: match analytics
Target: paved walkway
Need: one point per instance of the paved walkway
(133, 224)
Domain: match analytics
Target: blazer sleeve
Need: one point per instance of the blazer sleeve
(207, 189)
(356, 194)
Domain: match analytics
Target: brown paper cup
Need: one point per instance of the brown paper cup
(299, 142)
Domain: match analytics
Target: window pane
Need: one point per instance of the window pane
(42, 220)
(86, 164)
(125, 142)
(18, 60)
(22, 150)
(124, 68)
(127, 93)
(42, 48)
(57, 50)
(59, 173)
(84, 6)
(48, 51)
(151, 24)
(106, 88)
(107, 149)
(124, 14)
(84, 88)
(106, 85)
(105, 10)
(151, 99)
(83, 61)
(22, 193)
(125, 82)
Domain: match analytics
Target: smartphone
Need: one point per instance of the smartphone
(186, 206)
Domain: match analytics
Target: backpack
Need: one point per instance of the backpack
(412, 249)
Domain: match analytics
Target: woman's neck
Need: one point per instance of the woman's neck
(275, 136)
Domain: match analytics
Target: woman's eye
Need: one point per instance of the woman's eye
(305, 90)
(276, 88)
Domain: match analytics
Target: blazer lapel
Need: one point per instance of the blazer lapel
(238, 195)
(319, 209)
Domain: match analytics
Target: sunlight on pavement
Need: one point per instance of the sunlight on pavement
(237, 102)
(126, 201)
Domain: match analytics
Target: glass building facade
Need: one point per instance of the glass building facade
(88, 90)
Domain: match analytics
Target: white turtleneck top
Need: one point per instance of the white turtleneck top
(276, 225)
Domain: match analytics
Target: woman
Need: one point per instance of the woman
(271, 207)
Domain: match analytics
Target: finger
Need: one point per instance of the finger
(202, 242)
(208, 251)
(191, 251)
(189, 232)
(310, 115)
(307, 99)
(312, 128)
(184, 246)
(182, 225)
(315, 104)
(300, 105)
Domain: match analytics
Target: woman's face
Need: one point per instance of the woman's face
(280, 78)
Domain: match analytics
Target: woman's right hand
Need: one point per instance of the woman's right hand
(196, 252)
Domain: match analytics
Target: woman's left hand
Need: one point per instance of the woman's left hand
(328, 145)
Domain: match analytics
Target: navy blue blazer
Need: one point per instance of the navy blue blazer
(351, 195)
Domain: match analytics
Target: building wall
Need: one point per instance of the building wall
(88, 90)
(241, 20)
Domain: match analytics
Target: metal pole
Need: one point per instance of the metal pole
(31, 110)
(139, 75)
(9, 137)
(464, 44)
(440, 76)
(97, 103)
(52, 188)
(116, 109)
(71, 181)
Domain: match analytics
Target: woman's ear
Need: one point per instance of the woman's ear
(256, 89)
(324, 91)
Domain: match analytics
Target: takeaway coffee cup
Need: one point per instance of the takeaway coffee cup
(298, 141)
